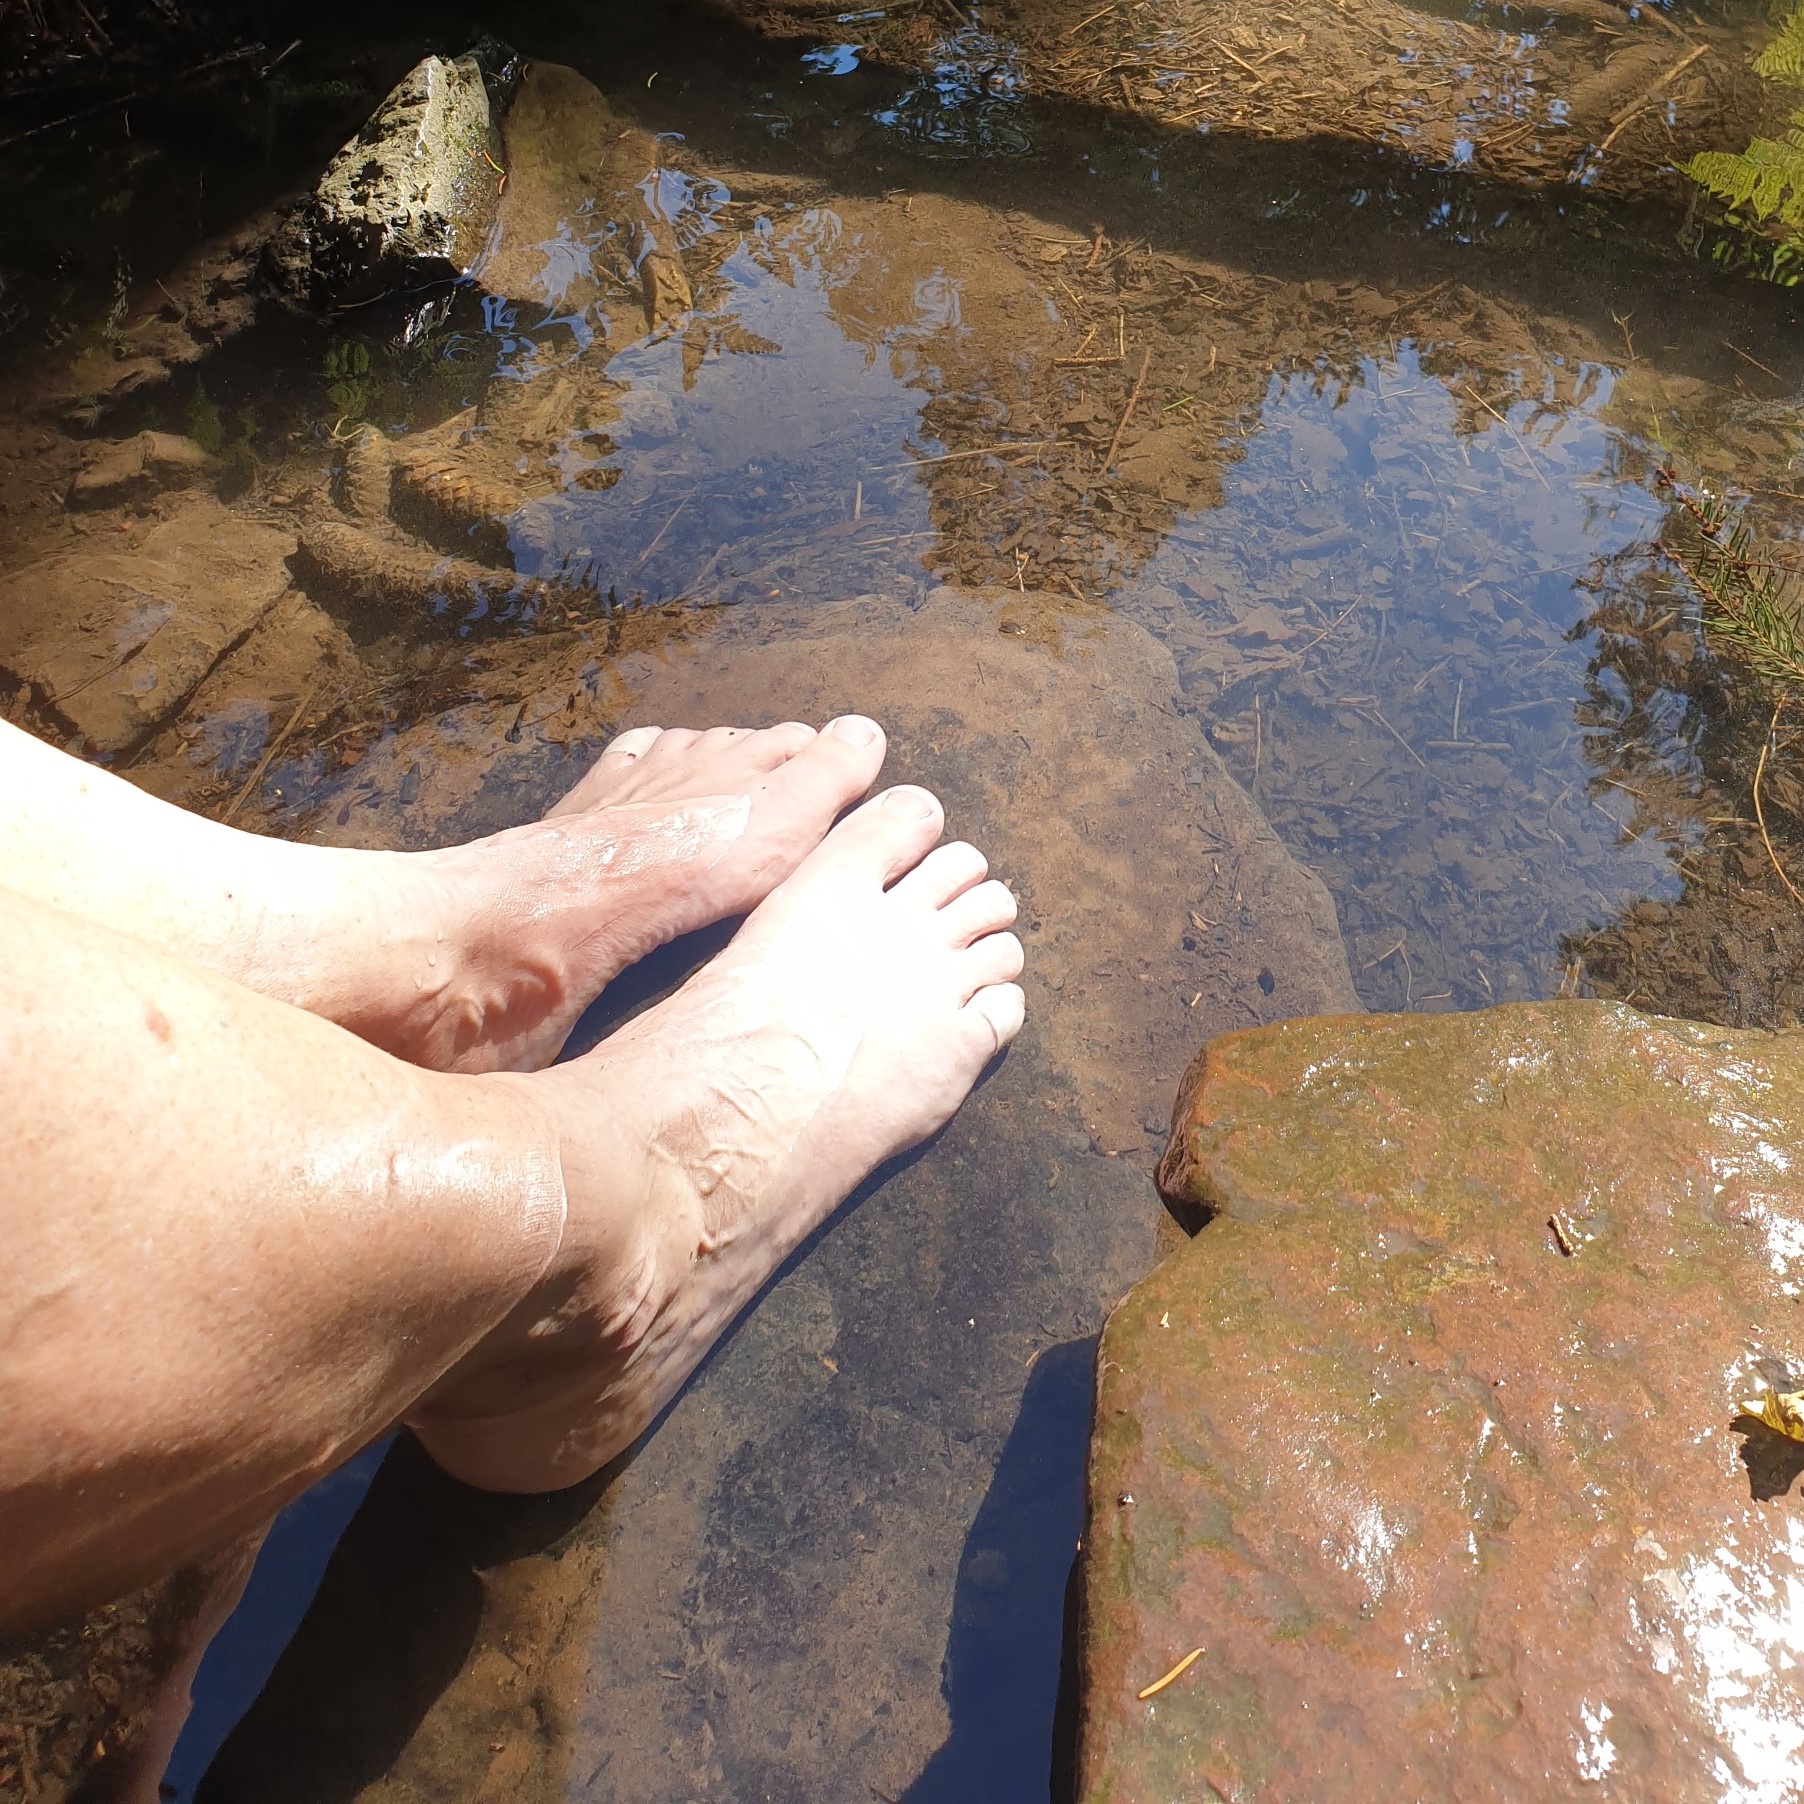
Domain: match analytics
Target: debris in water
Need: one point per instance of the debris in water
(1177, 1672)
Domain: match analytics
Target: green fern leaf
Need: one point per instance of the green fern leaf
(1765, 182)
(1783, 59)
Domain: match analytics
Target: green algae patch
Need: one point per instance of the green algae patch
(1429, 1438)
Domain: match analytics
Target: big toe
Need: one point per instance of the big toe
(890, 834)
(998, 1009)
(831, 768)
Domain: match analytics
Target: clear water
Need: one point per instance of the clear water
(1387, 490)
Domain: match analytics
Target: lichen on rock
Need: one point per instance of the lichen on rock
(1431, 1437)
(413, 194)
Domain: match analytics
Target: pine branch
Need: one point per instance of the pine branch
(1746, 601)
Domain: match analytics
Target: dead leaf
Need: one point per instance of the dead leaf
(1781, 1411)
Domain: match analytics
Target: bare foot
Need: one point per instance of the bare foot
(707, 1138)
(498, 946)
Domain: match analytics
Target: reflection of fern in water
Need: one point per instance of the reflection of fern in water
(1763, 186)
(1751, 603)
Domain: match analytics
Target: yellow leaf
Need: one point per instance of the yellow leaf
(1781, 1411)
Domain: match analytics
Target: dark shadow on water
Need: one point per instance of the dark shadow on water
(289, 1569)
(1005, 1679)
(394, 1621)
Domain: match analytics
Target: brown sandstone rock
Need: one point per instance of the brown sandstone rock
(114, 641)
(1454, 1512)
(1153, 891)
(851, 1535)
(573, 218)
(139, 466)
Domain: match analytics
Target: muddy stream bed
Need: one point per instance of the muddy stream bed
(1222, 442)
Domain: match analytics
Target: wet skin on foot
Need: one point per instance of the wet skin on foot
(670, 831)
(703, 1141)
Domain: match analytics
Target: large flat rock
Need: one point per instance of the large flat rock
(1157, 903)
(1456, 1502)
(836, 1569)
(115, 641)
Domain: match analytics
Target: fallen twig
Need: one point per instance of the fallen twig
(1521, 443)
(248, 54)
(1177, 1672)
(662, 530)
(1377, 716)
(1766, 745)
(274, 746)
(911, 463)
(1301, 650)
(1102, 14)
(1127, 413)
(1624, 114)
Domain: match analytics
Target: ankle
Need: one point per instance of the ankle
(496, 986)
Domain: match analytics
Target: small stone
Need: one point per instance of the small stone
(135, 467)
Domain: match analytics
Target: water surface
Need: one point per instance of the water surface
(1331, 348)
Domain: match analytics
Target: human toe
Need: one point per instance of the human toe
(996, 1012)
(774, 746)
(947, 871)
(996, 958)
(877, 842)
(985, 908)
(823, 775)
(631, 745)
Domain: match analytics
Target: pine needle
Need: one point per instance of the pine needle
(1746, 603)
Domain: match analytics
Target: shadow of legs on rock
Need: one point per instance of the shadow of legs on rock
(402, 1603)
(1003, 1667)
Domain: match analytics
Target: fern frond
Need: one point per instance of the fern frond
(1746, 604)
(1766, 180)
(1783, 59)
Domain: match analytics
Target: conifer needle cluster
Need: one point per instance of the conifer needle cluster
(1751, 604)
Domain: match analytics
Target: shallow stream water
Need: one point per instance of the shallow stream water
(1354, 396)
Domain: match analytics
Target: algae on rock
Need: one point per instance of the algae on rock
(1458, 1504)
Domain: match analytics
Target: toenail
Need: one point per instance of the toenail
(915, 804)
(854, 729)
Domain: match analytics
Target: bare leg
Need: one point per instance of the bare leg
(476, 958)
(240, 1242)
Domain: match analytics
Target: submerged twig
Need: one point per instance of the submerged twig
(274, 746)
(1521, 443)
(1127, 413)
(1766, 745)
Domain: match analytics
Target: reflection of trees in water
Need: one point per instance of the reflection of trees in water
(1215, 342)
(1677, 729)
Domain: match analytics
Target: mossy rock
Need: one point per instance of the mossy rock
(1430, 1438)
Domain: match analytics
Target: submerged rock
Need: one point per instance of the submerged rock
(113, 641)
(412, 196)
(1429, 1440)
(583, 211)
(837, 1569)
(136, 467)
